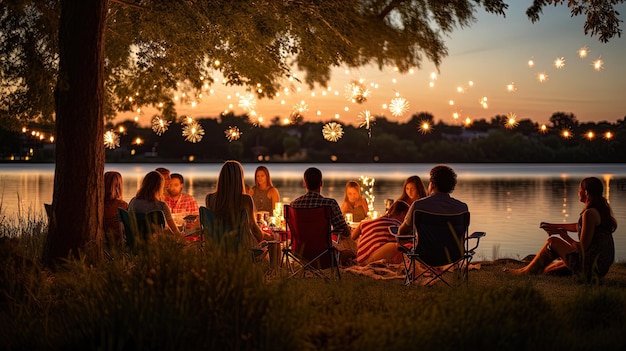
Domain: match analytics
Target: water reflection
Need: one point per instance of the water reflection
(506, 201)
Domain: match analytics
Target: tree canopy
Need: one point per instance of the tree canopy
(157, 49)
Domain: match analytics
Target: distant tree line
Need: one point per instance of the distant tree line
(385, 141)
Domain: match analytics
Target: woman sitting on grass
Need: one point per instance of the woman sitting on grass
(594, 253)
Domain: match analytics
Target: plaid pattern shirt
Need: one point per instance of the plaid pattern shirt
(313, 199)
(185, 203)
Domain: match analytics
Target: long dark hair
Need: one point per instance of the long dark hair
(594, 188)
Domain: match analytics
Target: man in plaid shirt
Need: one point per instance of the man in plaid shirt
(313, 198)
(177, 200)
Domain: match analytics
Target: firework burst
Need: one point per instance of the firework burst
(232, 133)
(398, 106)
(559, 62)
(365, 119)
(357, 92)
(111, 140)
(159, 125)
(300, 107)
(598, 64)
(583, 52)
(192, 130)
(332, 131)
(247, 102)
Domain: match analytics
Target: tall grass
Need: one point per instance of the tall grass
(172, 297)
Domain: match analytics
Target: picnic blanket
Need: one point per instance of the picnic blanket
(382, 270)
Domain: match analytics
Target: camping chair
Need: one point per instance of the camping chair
(311, 244)
(226, 236)
(439, 243)
(138, 227)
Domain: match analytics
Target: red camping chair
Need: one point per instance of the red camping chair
(311, 244)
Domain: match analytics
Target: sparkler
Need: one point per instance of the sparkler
(332, 131)
(368, 185)
(111, 140)
(159, 125)
(232, 133)
(192, 130)
(398, 106)
(366, 120)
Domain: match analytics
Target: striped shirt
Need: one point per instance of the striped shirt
(374, 234)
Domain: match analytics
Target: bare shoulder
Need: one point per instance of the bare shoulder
(591, 215)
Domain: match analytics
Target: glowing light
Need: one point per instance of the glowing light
(357, 92)
(247, 102)
(459, 89)
(332, 131)
(511, 121)
(531, 63)
(138, 141)
(468, 122)
(542, 77)
(192, 130)
(431, 84)
(424, 127)
(598, 64)
(559, 62)
(398, 106)
(111, 140)
(483, 102)
(159, 125)
(583, 52)
(232, 133)
(368, 186)
(451, 102)
(566, 134)
(608, 135)
(511, 87)
(433, 75)
(456, 115)
(589, 135)
(543, 128)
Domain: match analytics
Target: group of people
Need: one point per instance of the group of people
(160, 190)
(370, 240)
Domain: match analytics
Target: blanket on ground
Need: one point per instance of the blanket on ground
(383, 271)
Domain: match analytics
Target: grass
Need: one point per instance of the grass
(172, 297)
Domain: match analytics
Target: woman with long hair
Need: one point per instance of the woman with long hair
(593, 253)
(353, 202)
(412, 189)
(148, 199)
(113, 199)
(264, 194)
(230, 200)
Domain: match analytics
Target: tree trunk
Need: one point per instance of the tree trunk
(76, 222)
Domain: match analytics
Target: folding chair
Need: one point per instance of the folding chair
(311, 243)
(439, 243)
(227, 236)
(138, 227)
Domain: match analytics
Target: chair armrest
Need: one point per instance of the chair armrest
(476, 235)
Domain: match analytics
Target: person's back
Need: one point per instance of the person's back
(375, 242)
(442, 183)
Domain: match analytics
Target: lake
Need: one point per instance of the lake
(506, 200)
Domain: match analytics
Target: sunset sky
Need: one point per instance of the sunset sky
(483, 60)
